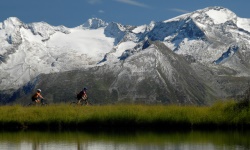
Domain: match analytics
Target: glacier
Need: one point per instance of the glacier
(212, 42)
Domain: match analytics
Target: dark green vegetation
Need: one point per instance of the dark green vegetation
(222, 115)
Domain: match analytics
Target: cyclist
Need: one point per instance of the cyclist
(37, 96)
(82, 95)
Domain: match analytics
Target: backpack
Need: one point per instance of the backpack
(79, 95)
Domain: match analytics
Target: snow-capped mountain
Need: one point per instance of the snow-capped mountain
(193, 58)
(31, 49)
(204, 34)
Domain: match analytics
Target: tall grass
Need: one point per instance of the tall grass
(220, 115)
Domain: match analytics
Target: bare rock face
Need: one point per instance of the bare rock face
(196, 58)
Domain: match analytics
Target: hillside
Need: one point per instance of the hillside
(194, 58)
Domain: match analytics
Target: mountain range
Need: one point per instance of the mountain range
(196, 58)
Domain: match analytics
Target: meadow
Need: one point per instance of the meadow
(222, 115)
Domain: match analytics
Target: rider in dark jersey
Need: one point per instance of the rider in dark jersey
(82, 96)
(37, 96)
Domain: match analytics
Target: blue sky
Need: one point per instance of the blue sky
(72, 13)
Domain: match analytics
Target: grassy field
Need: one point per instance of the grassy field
(222, 115)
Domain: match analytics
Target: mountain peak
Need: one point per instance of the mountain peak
(218, 15)
(12, 21)
(94, 23)
(212, 42)
(210, 15)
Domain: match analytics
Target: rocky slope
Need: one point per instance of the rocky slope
(195, 58)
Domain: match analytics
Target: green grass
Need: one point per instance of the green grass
(220, 115)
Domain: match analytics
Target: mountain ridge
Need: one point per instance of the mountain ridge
(213, 38)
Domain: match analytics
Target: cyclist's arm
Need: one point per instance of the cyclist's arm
(40, 96)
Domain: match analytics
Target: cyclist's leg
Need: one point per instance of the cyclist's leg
(37, 101)
(79, 101)
(86, 101)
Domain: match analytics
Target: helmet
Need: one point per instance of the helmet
(39, 90)
(85, 89)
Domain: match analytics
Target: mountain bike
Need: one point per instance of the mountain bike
(42, 102)
(82, 102)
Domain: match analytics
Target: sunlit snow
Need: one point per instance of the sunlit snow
(28, 50)
(220, 16)
(244, 23)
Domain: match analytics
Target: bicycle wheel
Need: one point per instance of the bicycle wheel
(74, 103)
(31, 104)
(87, 103)
(44, 104)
